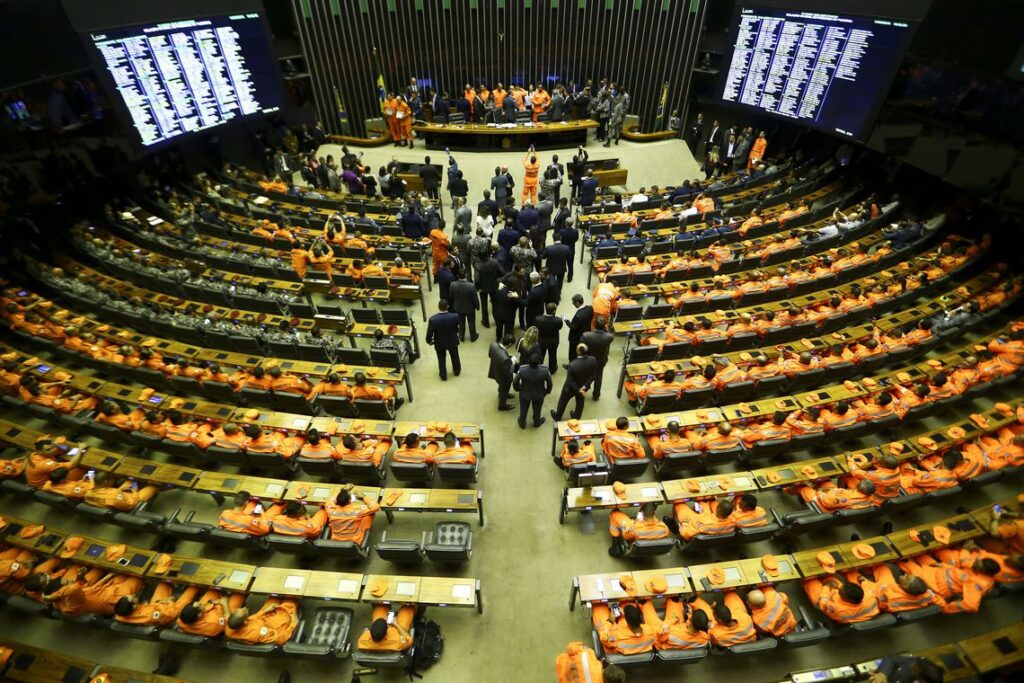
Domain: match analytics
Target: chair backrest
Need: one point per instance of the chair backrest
(643, 354)
(352, 356)
(291, 403)
(408, 471)
(656, 311)
(388, 358)
(658, 402)
(368, 316)
(373, 409)
(313, 352)
(449, 542)
(257, 397)
(457, 473)
(338, 406)
(219, 391)
(377, 282)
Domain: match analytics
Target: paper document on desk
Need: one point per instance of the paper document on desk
(462, 591)
(649, 492)
(293, 582)
(260, 200)
(405, 588)
(347, 586)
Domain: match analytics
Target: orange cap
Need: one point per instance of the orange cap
(32, 530)
(744, 408)
(656, 366)
(703, 415)
(696, 360)
(443, 427)
(812, 397)
(869, 382)
(378, 587)
(30, 361)
(620, 489)
(773, 477)
(5, 655)
(393, 495)
(71, 546)
(654, 420)
(863, 551)
(770, 564)
(656, 584)
(744, 356)
(781, 404)
(3, 523)
(115, 552)
(896, 447)
(251, 415)
(573, 425)
(927, 442)
(808, 471)
(716, 577)
(857, 459)
(357, 427)
(827, 562)
(161, 563)
(850, 384)
(144, 394)
(942, 534)
(979, 420)
(956, 433)
(1004, 408)
(914, 535)
(628, 584)
(903, 377)
(692, 485)
(934, 362)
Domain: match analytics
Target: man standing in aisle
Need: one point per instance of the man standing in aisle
(431, 178)
(501, 368)
(694, 133)
(443, 335)
(580, 323)
(464, 302)
(599, 341)
(533, 382)
(578, 378)
(530, 177)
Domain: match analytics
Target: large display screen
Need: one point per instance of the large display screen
(182, 77)
(827, 71)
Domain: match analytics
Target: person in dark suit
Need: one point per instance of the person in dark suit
(508, 108)
(464, 301)
(500, 370)
(740, 152)
(599, 341)
(440, 107)
(487, 207)
(579, 324)
(443, 335)
(578, 378)
(715, 133)
(506, 306)
(557, 258)
(535, 299)
(458, 187)
(549, 326)
(533, 382)
(431, 179)
(695, 133)
(588, 188)
(569, 236)
(445, 277)
(499, 184)
(487, 274)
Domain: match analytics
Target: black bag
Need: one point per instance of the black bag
(427, 646)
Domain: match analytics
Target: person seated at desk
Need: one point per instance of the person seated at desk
(879, 408)
(770, 612)
(331, 385)
(247, 516)
(402, 271)
(883, 472)
(916, 480)
(275, 622)
(579, 664)
(453, 452)
(110, 413)
(317, 447)
(630, 630)
(842, 600)
(619, 444)
(733, 624)
(717, 438)
(574, 453)
(666, 383)
(668, 441)
(962, 588)
(16, 565)
(265, 229)
(124, 497)
(293, 520)
(646, 526)
(207, 616)
(162, 608)
(747, 514)
(287, 383)
(685, 626)
(776, 428)
(228, 436)
(93, 597)
(964, 465)
(413, 450)
(350, 519)
(828, 497)
(900, 591)
(184, 431)
(838, 416)
(154, 424)
(904, 398)
(365, 449)
(49, 454)
(702, 519)
(389, 631)
(375, 392)
(1011, 566)
(63, 484)
(259, 441)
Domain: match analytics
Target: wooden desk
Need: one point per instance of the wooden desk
(158, 472)
(952, 659)
(278, 581)
(227, 576)
(464, 431)
(433, 500)
(711, 486)
(135, 561)
(376, 428)
(603, 497)
(450, 592)
(480, 135)
(588, 429)
(35, 665)
(101, 460)
(334, 586)
(45, 543)
(759, 409)
(845, 559)
(824, 468)
(274, 420)
(996, 649)
(961, 527)
(597, 588)
(321, 492)
(743, 573)
(227, 483)
(401, 589)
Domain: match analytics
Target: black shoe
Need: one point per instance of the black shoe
(597, 397)
(461, 338)
(506, 407)
(399, 402)
(542, 421)
(444, 378)
(555, 417)
(458, 373)
(473, 339)
(285, 677)
(168, 664)
(522, 424)
(486, 324)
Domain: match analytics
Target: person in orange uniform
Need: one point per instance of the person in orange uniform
(275, 623)
(541, 99)
(747, 514)
(770, 611)
(317, 447)
(49, 455)
(605, 301)
(453, 453)
(403, 116)
(900, 591)
(579, 664)
(755, 221)
(704, 518)
(300, 259)
(287, 383)
(366, 449)
(499, 93)
(331, 385)
(828, 497)
(669, 441)
(440, 247)
(843, 601)
(207, 616)
(413, 450)
(162, 608)
(388, 632)
(228, 436)
(575, 453)
(757, 150)
(962, 589)
(703, 203)
(717, 438)
(125, 497)
(246, 516)
(390, 114)
(78, 598)
(350, 519)
(915, 480)
(633, 630)
(401, 270)
(531, 173)
(295, 521)
(773, 430)
(619, 444)
(884, 473)
(685, 625)
(733, 624)
(362, 389)
(646, 526)
(666, 383)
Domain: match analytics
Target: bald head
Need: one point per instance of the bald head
(756, 599)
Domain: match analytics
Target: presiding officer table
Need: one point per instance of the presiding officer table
(480, 136)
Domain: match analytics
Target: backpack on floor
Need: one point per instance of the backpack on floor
(427, 646)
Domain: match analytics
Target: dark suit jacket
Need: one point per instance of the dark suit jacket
(580, 322)
(487, 207)
(443, 330)
(505, 307)
(444, 278)
(463, 298)
(488, 273)
(581, 373)
(501, 363)
(715, 136)
(550, 328)
(431, 177)
(532, 382)
(588, 191)
(535, 300)
(598, 342)
(556, 257)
